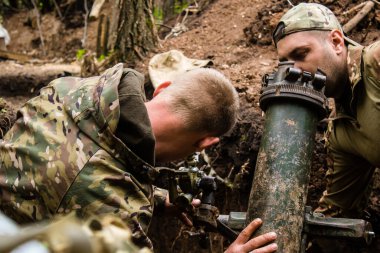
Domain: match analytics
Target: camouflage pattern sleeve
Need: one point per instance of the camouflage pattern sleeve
(372, 68)
(67, 233)
(110, 234)
(62, 155)
(352, 139)
(103, 188)
(40, 155)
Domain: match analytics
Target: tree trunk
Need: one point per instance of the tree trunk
(168, 9)
(133, 32)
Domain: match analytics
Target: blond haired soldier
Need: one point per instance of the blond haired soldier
(89, 145)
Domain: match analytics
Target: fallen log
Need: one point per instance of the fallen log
(17, 79)
(355, 8)
(358, 17)
(14, 56)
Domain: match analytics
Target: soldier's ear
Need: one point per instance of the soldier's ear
(206, 142)
(161, 87)
(337, 41)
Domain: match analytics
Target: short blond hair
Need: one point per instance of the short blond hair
(205, 99)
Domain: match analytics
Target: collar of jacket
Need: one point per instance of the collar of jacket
(95, 109)
(354, 64)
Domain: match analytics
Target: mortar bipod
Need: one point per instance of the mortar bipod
(316, 224)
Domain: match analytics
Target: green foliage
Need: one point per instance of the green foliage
(180, 5)
(176, 8)
(45, 5)
(101, 57)
(3, 4)
(80, 54)
(149, 22)
(243, 138)
(40, 5)
(110, 54)
(158, 14)
(2, 106)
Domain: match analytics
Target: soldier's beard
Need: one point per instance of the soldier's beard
(337, 76)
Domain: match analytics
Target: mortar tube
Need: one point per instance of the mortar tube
(278, 194)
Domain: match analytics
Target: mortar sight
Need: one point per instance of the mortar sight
(290, 84)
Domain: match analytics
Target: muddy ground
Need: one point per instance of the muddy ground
(235, 34)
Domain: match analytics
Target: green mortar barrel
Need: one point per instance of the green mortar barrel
(293, 102)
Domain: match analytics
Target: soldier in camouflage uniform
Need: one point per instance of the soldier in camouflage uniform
(97, 234)
(310, 35)
(89, 145)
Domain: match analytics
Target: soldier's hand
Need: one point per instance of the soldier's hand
(255, 245)
(173, 210)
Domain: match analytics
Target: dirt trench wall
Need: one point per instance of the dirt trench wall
(7, 117)
(259, 32)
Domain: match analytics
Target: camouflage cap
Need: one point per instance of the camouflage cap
(306, 17)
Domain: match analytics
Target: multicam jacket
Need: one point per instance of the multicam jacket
(353, 138)
(62, 154)
(361, 136)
